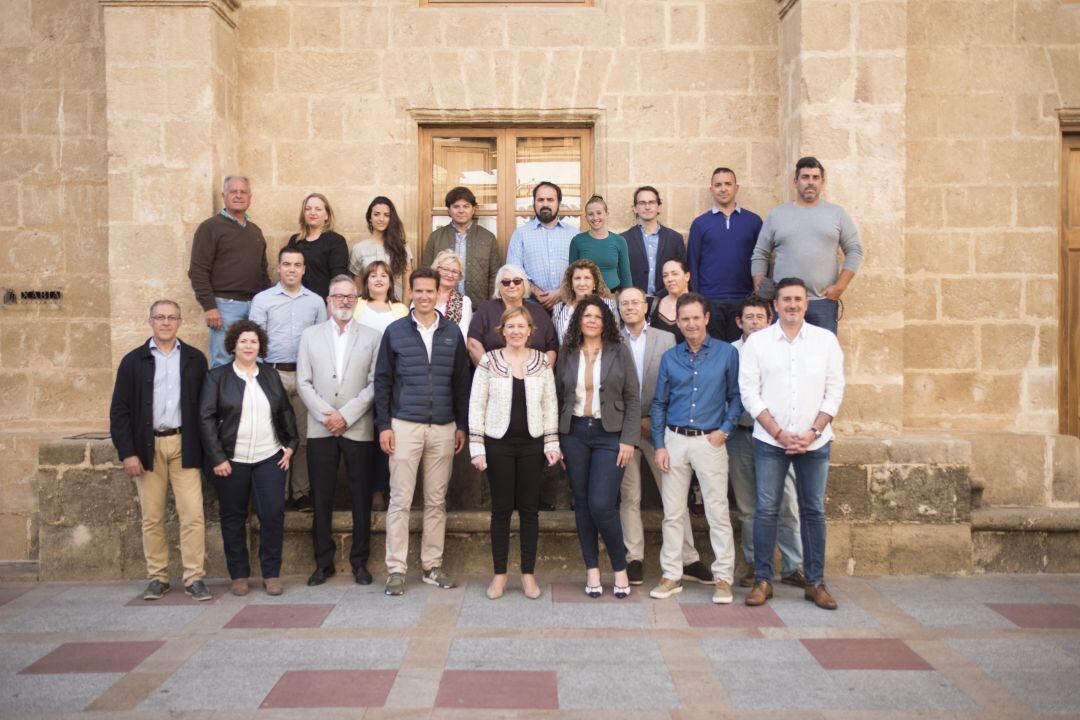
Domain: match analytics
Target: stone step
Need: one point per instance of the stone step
(1016, 469)
(1026, 539)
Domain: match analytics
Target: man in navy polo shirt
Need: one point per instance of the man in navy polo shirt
(721, 243)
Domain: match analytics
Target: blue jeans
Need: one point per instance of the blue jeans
(590, 452)
(263, 482)
(823, 313)
(231, 311)
(811, 472)
(740, 449)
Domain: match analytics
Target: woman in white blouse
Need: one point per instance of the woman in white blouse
(513, 429)
(248, 433)
(454, 305)
(581, 279)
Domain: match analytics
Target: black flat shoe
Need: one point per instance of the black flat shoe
(320, 576)
(363, 577)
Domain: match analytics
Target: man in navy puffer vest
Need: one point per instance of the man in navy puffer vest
(422, 379)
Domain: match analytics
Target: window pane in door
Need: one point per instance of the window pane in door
(468, 161)
(556, 159)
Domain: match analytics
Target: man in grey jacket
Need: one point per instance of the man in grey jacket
(335, 369)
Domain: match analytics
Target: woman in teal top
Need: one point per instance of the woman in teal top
(606, 249)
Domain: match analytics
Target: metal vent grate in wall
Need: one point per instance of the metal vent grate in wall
(33, 298)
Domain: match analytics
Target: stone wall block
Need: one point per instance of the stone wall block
(826, 79)
(1006, 347)
(1013, 468)
(938, 451)
(15, 389)
(920, 298)
(838, 549)
(847, 494)
(72, 396)
(920, 493)
(92, 496)
(880, 24)
(943, 399)
(908, 543)
(1041, 297)
(1038, 206)
(1007, 552)
(743, 23)
(1065, 468)
(346, 72)
(941, 346)
(1048, 346)
(103, 454)
(873, 407)
(317, 26)
(1040, 392)
(980, 297)
(880, 80)
(47, 484)
(684, 24)
(826, 26)
(869, 552)
(1014, 252)
(62, 452)
(15, 543)
(80, 552)
(872, 351)
(936, 252)
(1045, 23)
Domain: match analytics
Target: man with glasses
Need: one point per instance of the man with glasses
(285, 311)
(228, 264)
(542, 245)
(647, 345)
(475, 245)
(335, 373)
(651, 244)
(154, 423)
(422, 381)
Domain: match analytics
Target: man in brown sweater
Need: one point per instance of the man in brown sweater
(228, 264)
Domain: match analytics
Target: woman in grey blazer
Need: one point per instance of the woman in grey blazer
(599, 427)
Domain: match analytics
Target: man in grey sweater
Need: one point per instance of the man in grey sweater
(801, 239)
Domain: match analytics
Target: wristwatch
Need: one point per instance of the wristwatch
(817, 433)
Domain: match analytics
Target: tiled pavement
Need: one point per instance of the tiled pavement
(1001, 646)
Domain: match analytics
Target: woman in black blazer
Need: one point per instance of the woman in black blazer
(248, 432)
(599, 426)
(326, 254)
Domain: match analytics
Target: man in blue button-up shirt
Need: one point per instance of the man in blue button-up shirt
(541, 247)
(285, 311)
(695, 408)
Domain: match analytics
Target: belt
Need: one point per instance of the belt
(167, 433)
(287, 367)
(689, 432)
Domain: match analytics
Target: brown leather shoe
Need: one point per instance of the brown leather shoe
(239, 587)
(795, 577)
(762, 591)
(273, 586)
(820, 596)
(747, 580)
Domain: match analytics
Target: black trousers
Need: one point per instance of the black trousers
(265, 482)
(323, 458)
(722, 324)
(515, 470)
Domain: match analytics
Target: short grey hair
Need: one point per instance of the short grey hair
(444, 255)
(165, 301)
(511, 271)
(229, 178)
(341, 278)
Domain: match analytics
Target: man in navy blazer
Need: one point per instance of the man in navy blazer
(651, 244)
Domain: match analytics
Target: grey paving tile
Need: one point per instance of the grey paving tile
(777, 686)
(550, 653)
(296, 591)
(725, 652)
(900, 690)
(24, 694)
(372, 608)
(944, 614)
(56, 618)
(1051, 691)
(15, 656)
(514, 611)
(301, 654)
(1019, 654)
(220, 688)
(797, 612)
(609, 685)
(944, 588)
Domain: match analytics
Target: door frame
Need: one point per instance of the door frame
(1068, 288)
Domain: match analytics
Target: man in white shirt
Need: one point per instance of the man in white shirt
(791, 376)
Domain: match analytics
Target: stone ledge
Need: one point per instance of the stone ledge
(1026, 519)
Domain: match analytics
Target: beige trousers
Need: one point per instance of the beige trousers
(434, 446)
(630, 508)
(687, 456)
(298, 474)
(153, 488)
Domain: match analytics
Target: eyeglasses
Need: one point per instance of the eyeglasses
(449, 271)
(631, 303)
(646, 202)
(507, 282)
(165, 318)
(344, 298)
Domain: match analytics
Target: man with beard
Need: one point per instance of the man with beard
(801, 239)
(335, 369)
(542, 245)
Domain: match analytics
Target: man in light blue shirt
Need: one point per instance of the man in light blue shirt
(542, 246)
(284, 312)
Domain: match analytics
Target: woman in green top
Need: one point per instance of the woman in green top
(606, 249)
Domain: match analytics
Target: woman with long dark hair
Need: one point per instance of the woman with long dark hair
(387, 243)
(599, 427)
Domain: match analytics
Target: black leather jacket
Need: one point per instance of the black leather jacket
(222, 403)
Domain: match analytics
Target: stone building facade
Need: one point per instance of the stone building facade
(937, 120)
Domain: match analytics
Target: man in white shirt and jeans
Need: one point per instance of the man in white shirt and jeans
(791, 377)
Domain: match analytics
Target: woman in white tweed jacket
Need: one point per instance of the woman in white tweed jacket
(513, 428)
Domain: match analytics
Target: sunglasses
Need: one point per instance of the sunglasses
(507, 282)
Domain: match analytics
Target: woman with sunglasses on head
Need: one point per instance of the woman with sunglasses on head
(581, 279)
(512, 289)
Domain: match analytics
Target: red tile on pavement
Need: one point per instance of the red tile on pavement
(280, 616)
(575, 593)
(865, 654)
(93, 657)
(713, 615)
(1039, 615)
(506, 689)
(331, 689)
(10, 592)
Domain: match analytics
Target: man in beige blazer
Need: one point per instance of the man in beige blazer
(335, 374)
(647, 345)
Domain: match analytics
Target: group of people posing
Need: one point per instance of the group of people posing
(590, 349)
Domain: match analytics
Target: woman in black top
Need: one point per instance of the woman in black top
(676, 277)
(326, 254)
